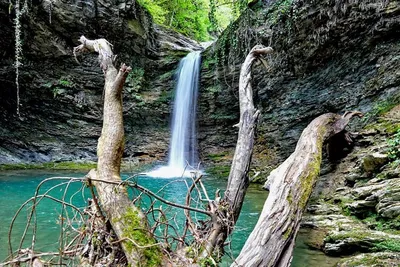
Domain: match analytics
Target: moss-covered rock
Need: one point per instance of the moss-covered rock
(381, 259)
(349, 242)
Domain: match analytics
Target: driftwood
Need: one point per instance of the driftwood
(272, 240)
(114, 200)
(238, 180)
(226, 211)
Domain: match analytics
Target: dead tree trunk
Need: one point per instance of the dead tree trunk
(272, 240)
(114, 199)
(223, 222)
(238, 180)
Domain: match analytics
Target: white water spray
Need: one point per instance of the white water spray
(183, 150)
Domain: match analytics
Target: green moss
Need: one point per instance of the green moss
(380, 109)
(208, 62)
(217, 156)
(166, 97)
(381, 224)
(219, 171)
(151, 256)
(287, 233)
(289, 198)
(358, 235)
(67, 165)
(218, 116)
(311, 172)
(136, 27)
(388, 245)
(394, 144)
(365, 260)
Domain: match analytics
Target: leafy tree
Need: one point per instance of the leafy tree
(198, 19)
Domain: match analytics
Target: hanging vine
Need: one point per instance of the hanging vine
(18, 44)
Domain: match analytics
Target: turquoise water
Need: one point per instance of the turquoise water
(17, 186)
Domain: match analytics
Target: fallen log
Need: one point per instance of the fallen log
(290, 185)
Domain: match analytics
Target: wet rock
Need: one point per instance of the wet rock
(369, 190)
(381, 259)
(331, 222)
(378, 196)
(61, 100)
(373, 162)
(323, 208)
(389, 200)
(308, 79)
(349, 242)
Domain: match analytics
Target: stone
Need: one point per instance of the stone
(61, 101)
(373, 162)
(349, 242)
(380, 259)
(323, 208)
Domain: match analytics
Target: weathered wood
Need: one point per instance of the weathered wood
(238, 181)
(114, 199)
(272, 240)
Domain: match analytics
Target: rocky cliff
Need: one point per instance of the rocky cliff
(61, 100)
(330, 56)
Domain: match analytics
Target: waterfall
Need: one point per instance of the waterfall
(183, 150)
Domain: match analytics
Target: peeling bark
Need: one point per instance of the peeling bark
(272, 240)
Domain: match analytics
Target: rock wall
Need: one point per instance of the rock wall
(330, 56)
(61, 100)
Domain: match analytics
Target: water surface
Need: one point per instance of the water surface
(17, 186)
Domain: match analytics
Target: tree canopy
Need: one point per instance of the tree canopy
(199, 19)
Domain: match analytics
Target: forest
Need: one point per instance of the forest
(200, 133)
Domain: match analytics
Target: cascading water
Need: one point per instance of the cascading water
(183, 142)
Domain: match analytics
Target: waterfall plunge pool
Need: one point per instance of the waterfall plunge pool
(18, 186)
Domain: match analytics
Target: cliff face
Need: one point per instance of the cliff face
(61, 100)
(330, 56)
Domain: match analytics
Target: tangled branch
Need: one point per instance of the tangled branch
(86, 236)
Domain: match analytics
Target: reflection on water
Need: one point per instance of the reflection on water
(17, 187)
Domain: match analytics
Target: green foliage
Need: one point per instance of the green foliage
(135, 80)
(198, 19)
(156, 10)
(388, 245)
(365, 260)
(279, 8)
(394, 146)
(217, 156)
(166, 96)
(207, 262)
(60, 87)
(65, 83)
(377, 223)
(208, 62)
(380, 109)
